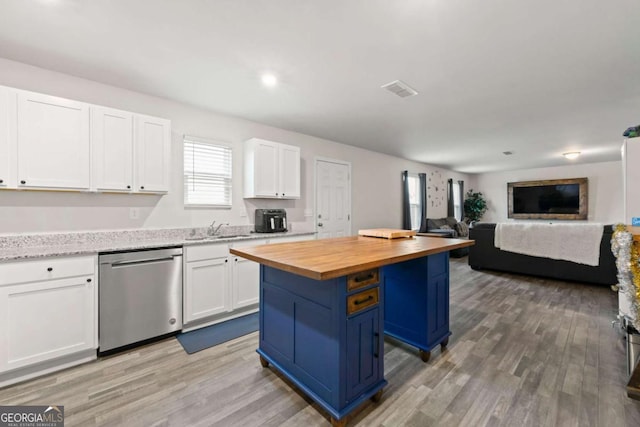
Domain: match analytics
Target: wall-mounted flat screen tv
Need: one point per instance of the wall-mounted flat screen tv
(548, 199)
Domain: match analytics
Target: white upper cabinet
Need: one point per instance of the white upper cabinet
(7, 137)
(290, 172)
(112, 149)
(271, 170)
(53, 142)
(153, 142)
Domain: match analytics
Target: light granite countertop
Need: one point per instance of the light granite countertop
(15, 247)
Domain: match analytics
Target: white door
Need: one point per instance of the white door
(7, 115)
(53, 142)
(112, 149)
(290, 171)
(153, 141)
(206, 289)
(333, 198)
(45, 320)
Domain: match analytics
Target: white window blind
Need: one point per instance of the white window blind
(207, 172)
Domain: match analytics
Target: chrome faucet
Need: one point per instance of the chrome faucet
(211, 231)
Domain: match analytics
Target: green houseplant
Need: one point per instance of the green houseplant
(474, 206)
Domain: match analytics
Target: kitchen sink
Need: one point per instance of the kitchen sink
(229, 236)
(195, 237)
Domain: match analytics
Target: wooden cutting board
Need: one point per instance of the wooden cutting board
(387, 233)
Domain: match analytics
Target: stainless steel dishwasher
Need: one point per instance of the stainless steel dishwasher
(140, 296)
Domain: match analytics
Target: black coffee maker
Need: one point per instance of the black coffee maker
(271, 220)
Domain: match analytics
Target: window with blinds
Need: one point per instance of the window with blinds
(207, 173)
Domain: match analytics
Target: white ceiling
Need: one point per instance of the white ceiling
(537, 78)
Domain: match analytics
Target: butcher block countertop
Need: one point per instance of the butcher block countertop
(330, 258)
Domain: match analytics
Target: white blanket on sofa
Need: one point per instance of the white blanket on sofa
(578, 243)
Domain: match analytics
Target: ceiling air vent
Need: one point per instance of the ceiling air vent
(400, 88)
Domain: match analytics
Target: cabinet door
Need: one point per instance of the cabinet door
(364, 349)
(7, 136)
(112, 149)
(206, 290)
(266, 169)
(289, 172)
(246, 282)
(153, 142)
(53, 142)
(46, 320)
(437, 309)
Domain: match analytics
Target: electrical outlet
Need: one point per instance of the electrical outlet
(134, 213)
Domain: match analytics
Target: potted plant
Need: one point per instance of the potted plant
(474, 207)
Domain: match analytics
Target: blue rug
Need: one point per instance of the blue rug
(200, 339)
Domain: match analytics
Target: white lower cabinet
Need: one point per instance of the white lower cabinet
(49, 309)
(246, 282)
(218, 286)
(205, 290)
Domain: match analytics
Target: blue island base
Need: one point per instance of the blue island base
(373, 392)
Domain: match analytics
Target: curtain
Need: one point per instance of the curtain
(406, 206)
(450, 206)
(461, 185)
(423, 202)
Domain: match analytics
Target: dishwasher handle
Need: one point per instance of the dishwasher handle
(143, 261)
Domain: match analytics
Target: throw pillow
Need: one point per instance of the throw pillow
(446, 227)
(451, 221)
(462, 229)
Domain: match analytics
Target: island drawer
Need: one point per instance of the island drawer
(362, 279)
(362, 300)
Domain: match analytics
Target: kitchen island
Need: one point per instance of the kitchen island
(324, 304)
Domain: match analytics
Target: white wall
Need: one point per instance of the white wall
(376, 179)
(605, 188)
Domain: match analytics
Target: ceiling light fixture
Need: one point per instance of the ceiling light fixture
(269, 80)
(571, 155)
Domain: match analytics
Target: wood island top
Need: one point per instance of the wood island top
(330, 258)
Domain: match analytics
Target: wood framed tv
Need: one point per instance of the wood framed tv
(549, 199)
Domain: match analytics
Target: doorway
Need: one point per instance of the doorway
(333, 198)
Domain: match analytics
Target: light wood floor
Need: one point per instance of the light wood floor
(524, 351)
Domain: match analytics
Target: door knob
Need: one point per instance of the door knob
(319, 224)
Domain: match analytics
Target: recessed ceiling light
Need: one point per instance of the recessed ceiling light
(571, 155)
(269, 80)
